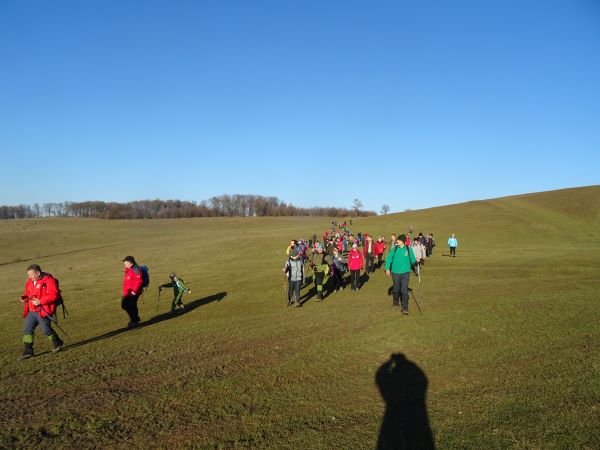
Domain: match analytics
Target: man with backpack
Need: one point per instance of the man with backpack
(398, 265)
(179, 288)
(294, 272)
(40, 299)
(132, 289)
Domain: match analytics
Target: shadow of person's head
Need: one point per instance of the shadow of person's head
(403, 386)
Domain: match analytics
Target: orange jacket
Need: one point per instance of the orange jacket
(46, 291)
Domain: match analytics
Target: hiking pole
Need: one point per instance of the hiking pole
(415, 299)
(158, 301)
(285, 288)
(52, 319)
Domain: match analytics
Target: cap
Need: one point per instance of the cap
(402, 238)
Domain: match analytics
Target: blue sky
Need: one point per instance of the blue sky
(407, 103)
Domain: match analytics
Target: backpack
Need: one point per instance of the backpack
(59, 301)
(145, 276)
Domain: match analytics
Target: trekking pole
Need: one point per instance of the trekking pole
(158, 301)
(52, 319)
(415, 299)
(285, 288)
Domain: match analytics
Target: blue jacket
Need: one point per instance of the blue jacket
(452, 242)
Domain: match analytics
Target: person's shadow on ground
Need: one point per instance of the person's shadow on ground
(190, 306)
(403, 386)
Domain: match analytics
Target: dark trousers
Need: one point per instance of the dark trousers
(370, 263)
(338, 280)
(452, 251)
(32, 320)
(355, 278)
(379, 258)
(129, 304)
(294, 291)
(400, 288)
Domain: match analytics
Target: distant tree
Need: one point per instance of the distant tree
(385, 209)
(356, 205)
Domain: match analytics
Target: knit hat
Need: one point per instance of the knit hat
(402, 238)
(354, 245)
(294, 252)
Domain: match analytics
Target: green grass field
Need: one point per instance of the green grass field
(508, 341)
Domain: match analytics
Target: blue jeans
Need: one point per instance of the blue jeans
(401, 288)
(32, 320)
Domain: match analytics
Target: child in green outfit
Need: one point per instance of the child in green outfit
(179, 288)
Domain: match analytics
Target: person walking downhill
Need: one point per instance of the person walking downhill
(355, 265)
(452, 243)
(320, 265)
(294, 271)
(179, 288)
(397, 266)
(339, 269)
(132, 289)
(369, 254)
(39, 300)
(419, 251)
(380, 247)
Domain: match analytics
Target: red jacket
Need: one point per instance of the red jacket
(46, 291)
(132, 283)
(380, 248)
(373, 248)
(355, 260)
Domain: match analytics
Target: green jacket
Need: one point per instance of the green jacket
(399, 260)
(178, 286)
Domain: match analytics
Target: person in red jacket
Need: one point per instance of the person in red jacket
(39, 301)
(132, 289)
(355, 264)
(380, 248)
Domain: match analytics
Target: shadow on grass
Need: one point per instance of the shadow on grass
(190, 306)
(403, 386)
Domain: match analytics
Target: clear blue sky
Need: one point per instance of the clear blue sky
(409, 103)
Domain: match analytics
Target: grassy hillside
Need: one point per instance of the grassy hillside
(507, 346)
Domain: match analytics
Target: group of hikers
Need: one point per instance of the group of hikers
(341, 252)
(42, 297)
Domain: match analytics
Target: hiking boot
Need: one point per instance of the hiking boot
(405, 312)
(133, 324)
(57, 344)
(27, 351)
(298, 305)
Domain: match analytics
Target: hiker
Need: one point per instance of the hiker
(369, 254)
(391, 244)
(398, 265)
(40, 299)
(419, 251)
(294, 271)
(179, 288)
(452, 243)
(380, 250)
(355, 265)
(339, 269)
(320, 265)
(132, 289)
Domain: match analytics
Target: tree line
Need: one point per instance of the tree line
(239, 205)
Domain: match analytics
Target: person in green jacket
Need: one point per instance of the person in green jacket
(179, 288)
(398, 265)
(320, 264)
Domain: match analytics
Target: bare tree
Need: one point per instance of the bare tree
(356, 205)
(385, 209)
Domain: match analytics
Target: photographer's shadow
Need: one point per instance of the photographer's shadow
(403, 386)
